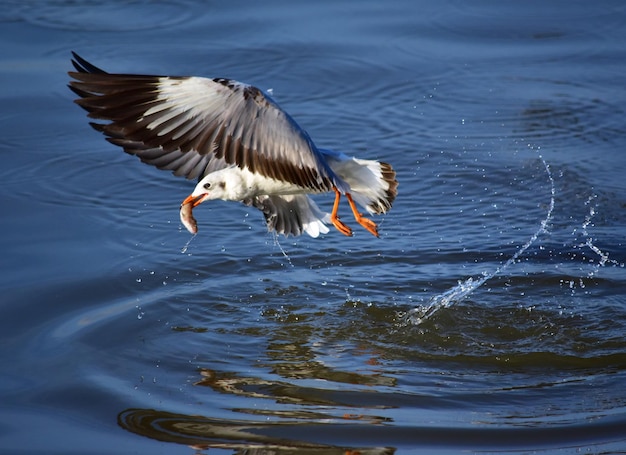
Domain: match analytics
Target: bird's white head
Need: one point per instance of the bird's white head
(207, 189)
(224, 184)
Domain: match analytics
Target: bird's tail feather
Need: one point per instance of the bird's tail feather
(373, 184)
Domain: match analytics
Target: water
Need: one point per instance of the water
(463, 289)
(489, 316)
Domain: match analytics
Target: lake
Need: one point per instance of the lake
(489, 317)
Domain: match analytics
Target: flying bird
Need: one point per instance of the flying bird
(237, 142)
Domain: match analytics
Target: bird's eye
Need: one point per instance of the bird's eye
(207, 186)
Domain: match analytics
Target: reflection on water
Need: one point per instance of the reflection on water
(289, 393)
(241, 436)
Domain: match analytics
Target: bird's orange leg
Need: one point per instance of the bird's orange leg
(345, 230)
(365, 222)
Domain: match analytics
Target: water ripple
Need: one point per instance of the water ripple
(204, 433)
(98, 16)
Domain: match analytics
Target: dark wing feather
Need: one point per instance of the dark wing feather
(195, 125)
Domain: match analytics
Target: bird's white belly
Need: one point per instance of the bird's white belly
(253, 184)
(264, 185)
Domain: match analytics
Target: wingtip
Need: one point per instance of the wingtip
(83, 66)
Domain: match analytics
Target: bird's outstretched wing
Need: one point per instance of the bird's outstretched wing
(194, 125)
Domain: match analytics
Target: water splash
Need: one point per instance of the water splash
(282, 250)
(589, 241)
(186, 247)
(464, 288)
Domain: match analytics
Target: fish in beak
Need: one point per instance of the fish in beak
(186, 211)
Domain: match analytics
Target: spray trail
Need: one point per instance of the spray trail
(464, 288)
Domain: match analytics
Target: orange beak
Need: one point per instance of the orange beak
(194, 200)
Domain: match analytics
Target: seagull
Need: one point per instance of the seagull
(237, 142)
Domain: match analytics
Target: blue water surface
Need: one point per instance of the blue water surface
(489, 317)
